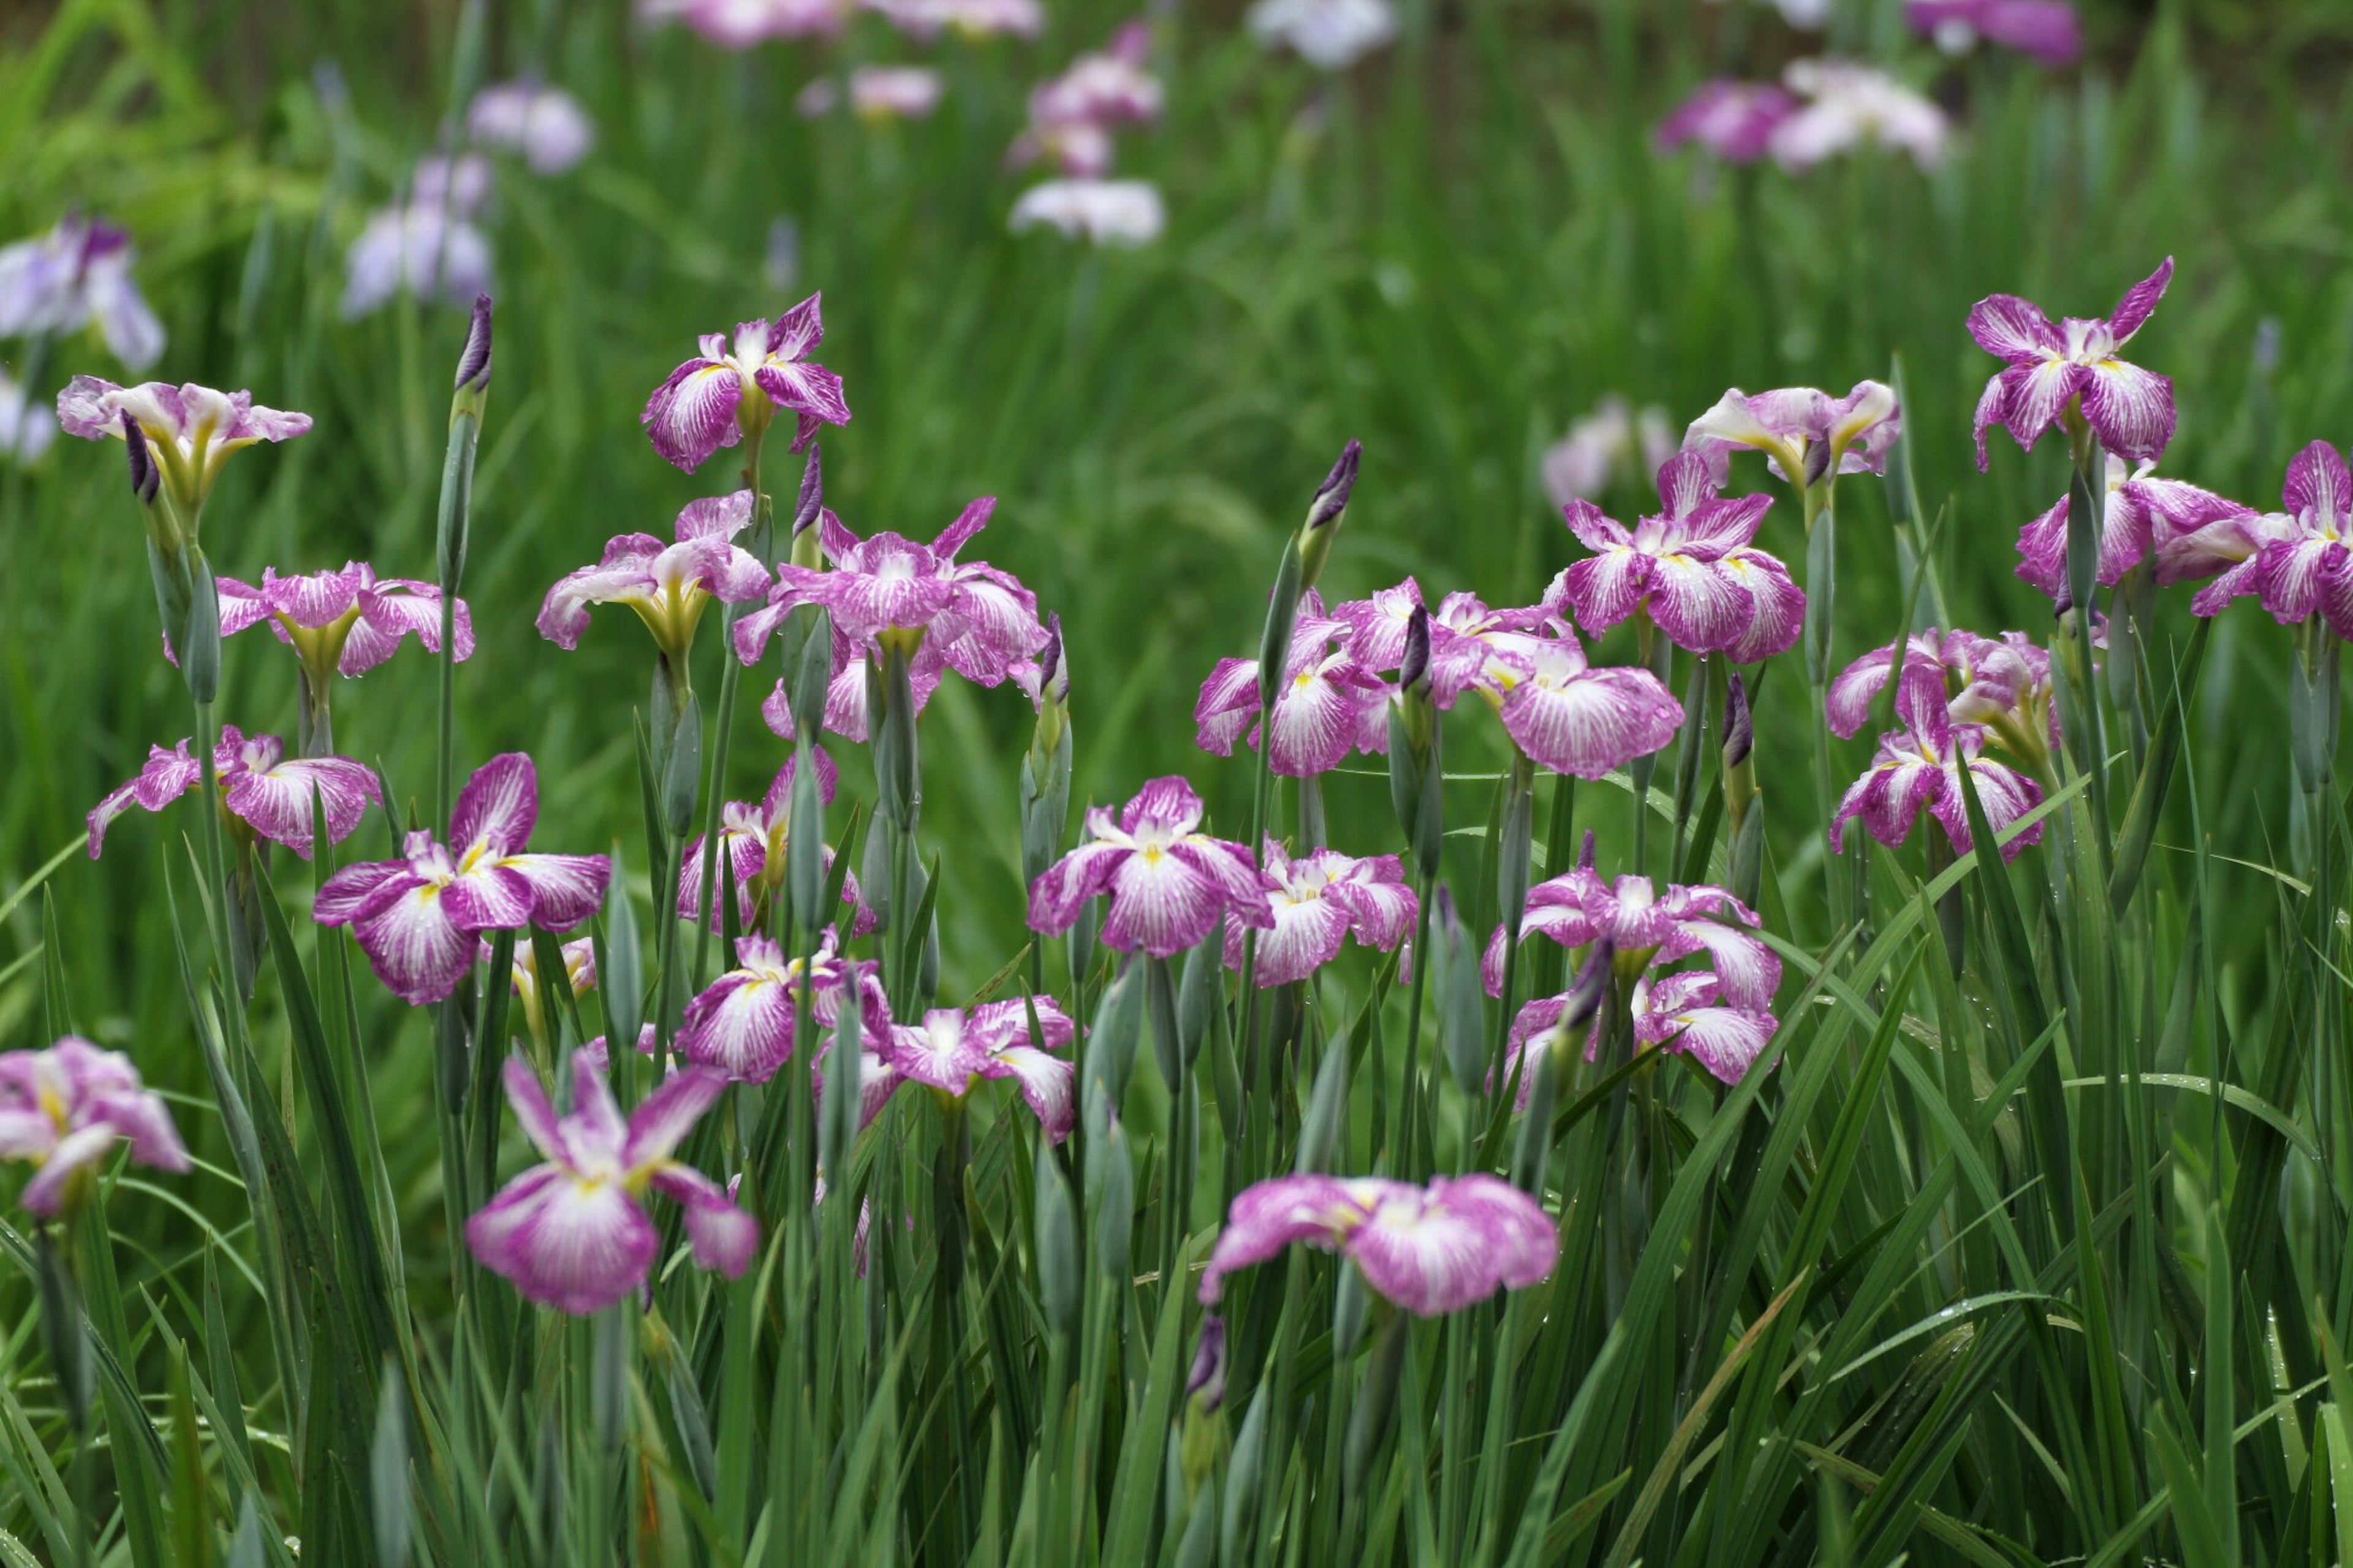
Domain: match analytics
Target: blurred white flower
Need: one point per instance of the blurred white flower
(1104, 211)
(417, 248)
(26, 425)
(545, 125)
(461, 184)
(1610, 442)
(77, 274)
(876, 93)
(1330, 35)
(740, 24)
(1847, 105)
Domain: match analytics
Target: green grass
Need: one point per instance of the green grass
(1982, 1272)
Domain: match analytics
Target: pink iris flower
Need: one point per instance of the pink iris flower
(1561, 712)
(845, 695)
(1918, 769)
(1325, 706)
(2002, 683)
(1733, 120)
(741, 1025)
(1462, 630)
(190, 430)
(711, 400)
(1170, 884)
(744, 24)
(2298, 561)
(543, 125)
(573, 1233)
(2138, 514)
(1431, 1250)
(1803, 432)
(1683, 1013)
(669, 585)
(1318, 901)
(2047, 367)
(2046, 30)
(64, 1109)
(755, 839)
(345, 622)
(262, 790)
(954, 1045)
(1646, 928)
(1693, 570)
(1072, 116)
(418, 918)
(980, 621)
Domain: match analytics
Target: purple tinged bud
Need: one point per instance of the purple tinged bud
(1592, 984)
(811, 503)
(145, 477)
(1207, 1383)
(1413, 673)
(474, 364)
(1739, 726)
(1332, 495)
(1585, 854)
(1817, 462)
(1054, 669)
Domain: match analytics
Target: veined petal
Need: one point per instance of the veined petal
(498, 804)
(84, 1146)
(2138, 301)
(1305, 936)
(1726, 1040)
(725, 1239)
(1228, 704)
(1591, 724)
(1605, 589)
(2013, 329)
(2130, 409)
(276, 801)
(564, 889)
(411, 943)
(1745, 967)
(1777, 606)
(663, 1118)
(2319, 487)
(579, 1246)
(2035, 395)
(806, 389)
(693, 414)
(1048, 1083)
(2292, 574)
(489, 897)
(1451, 1248)
(344, 895)
(1161, 903)
(1697, 605)
(533, 1111)
(741, 1026)
(1269, 1216)
(397, 608)
(1063, 889)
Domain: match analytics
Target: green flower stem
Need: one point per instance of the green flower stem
(731, 669)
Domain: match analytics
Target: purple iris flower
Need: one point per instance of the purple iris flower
(573, 1233)
(1325, 706)
(980, 621)
(754, 837)
(845, 695)
(2047, 368)
(1646, 929)
(262, 791)
(1695, 570)
(1685, 1013)
(1563, 713)
(2297, 560)
(744, 23)
(2046, 30)
(1431, 1250)
(544, 125)
(713, 399)
(64, 1109)
(1463, 632)
(1170, 884)
(1803, 431)
(345, 622)
(417, 918)
(1073, 115)
(954, 1045)
(190, 430)
(669, 585)
(2001, 683)
(741, 1025)
(75, 276)
(2138, 511)
(1317, 901)
(1918, 769)
(1733, 120)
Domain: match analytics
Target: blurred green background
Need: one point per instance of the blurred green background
(1449, 252)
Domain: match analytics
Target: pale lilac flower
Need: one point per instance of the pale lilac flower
(981, 621)
(1170, 884)
(954, 1045)
(2138, 512)
(755, 839)
(573, 1233)
(1848, 106)
(1733, 120)
(64, 1109)
(1123, 213)
(26, 427)
(1561, 712)
(423, 247)
(460, 185)
(875, 93)
(2046, 368)
(2048, 30)
(348, 621)
(669, 585)
(417, 918)
(1644, 929)
(544, 125)
(1073, 115)
(742, 24)
(1918, 768)
(1325, 706)
(741, 1025)
(845, 695)
(1330, 35)
(2002, 683)
(711, 400)
(1431, 1250)
(262, 790)
(1611, 441)
(1693, 570)
(75, 275)
(2302, 565)
(1683, 1012)
(1318, 901)
(1800, 430)
(923, 20)
(190, 430)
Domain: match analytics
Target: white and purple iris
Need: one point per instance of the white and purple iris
(741, 1025)
(78, 275)
(1072, 116)
(1693, 570)
(1733, 120)
(669, 585)
(1318, 901)
(1431, 1250)
(923, 20)
(2298, 561)
(1646, 929)
(543, 125)
(345, 622)
(1614, 440)
(2139, 514)
(2002, 683)
(731, 390)
(2045, 30)
(755, 837)
(190, 430)
(1325, 706)
(65, 1109)
(1803, 431)
(1170, 884)
(1683, 1013)
(2047, 369)
(953, 1046)
(424, 244)
(1330, 35)
(744, 24)
(573, 1233)
(262, 791)
(1116, 214)
(1563, 713)
(845, 694)
(1918, 769)
(418, 918)
(1844, 106)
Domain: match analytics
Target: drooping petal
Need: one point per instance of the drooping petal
(1269, 1216)
(348, 894)
(2033, 397)
(724, 1238)
(1441, 1251)
(741, 1026)
(1162, 903)
(1696, 603)
(1048, 1083)
(1726, 1040)
(1747, 968)
(1306, 936)
(413, 945)
(574, 1245)
(1063, 889)
(276, 801)
(1603, 590)
(1591, 724)
(564, 889)
(693, 414)
(1777, 606)
(1228, 704)
(82, 1147)
(663, 1118)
